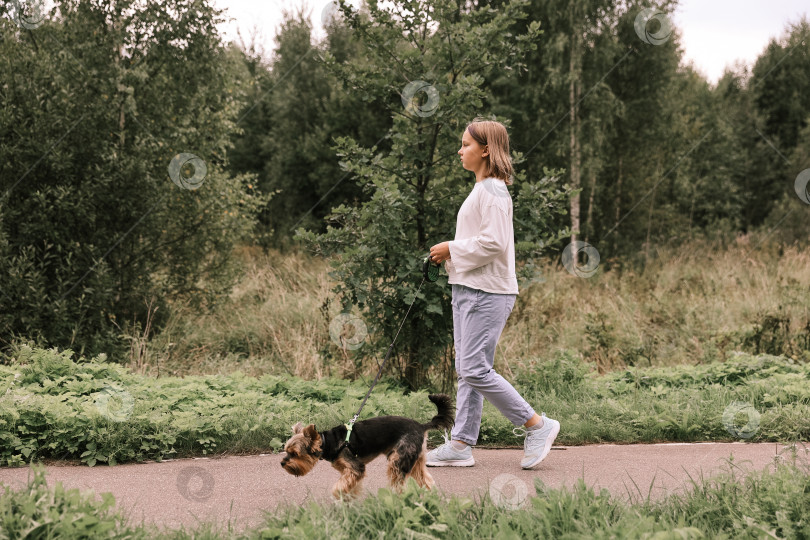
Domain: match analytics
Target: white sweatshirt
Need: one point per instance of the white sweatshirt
(482, 256)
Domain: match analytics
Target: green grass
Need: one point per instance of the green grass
(771, 503)
(680, 403)
(53, 406)
(723, 506)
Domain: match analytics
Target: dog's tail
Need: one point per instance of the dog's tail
(445, 417)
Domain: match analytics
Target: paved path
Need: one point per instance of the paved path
(239, 488)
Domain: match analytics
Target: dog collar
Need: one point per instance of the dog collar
(345, 444)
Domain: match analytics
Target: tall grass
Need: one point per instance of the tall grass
(693, 304)
(274, 322)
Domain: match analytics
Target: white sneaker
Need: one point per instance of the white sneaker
(538, 442)
(447, 456)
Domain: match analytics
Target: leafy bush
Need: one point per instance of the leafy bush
(99, 412)
(97, 226)
(736, 372)
(564, 375)
(379, 243)
(96, 411)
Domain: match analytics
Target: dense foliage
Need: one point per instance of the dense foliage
(52, 406)
(617, 142)
(102, 208)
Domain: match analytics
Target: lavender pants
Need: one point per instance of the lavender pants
(478, 320)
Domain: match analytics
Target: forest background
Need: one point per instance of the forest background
(186, 207)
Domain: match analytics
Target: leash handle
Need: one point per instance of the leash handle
(430, 269)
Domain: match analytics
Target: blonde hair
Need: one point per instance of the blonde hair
(494, 135)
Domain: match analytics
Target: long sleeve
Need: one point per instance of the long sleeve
(491, 241)
(482, 255)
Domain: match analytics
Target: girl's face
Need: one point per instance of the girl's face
(473, 155)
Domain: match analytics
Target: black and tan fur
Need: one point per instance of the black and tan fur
(402, 440)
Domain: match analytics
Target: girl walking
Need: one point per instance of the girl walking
(480, 263)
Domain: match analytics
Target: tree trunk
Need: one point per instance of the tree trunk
(122, 96)
(589, 216)
(618, 205)
(649, 226)
(414, 369)
(573, 98)
(416, 366)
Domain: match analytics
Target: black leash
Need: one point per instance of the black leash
(430, 271)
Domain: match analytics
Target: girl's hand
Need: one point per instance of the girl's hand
(440, 252)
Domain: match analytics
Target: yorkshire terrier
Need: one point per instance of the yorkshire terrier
(402, 440)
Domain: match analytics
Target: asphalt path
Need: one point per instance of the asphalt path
(237, 490)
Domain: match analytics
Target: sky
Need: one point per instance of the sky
(715, 33)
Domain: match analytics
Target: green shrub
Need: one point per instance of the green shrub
(52, 406)
(564, 375)
(763, 504)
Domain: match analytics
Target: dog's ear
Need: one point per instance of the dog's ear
(297, 428)
(310, 432)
